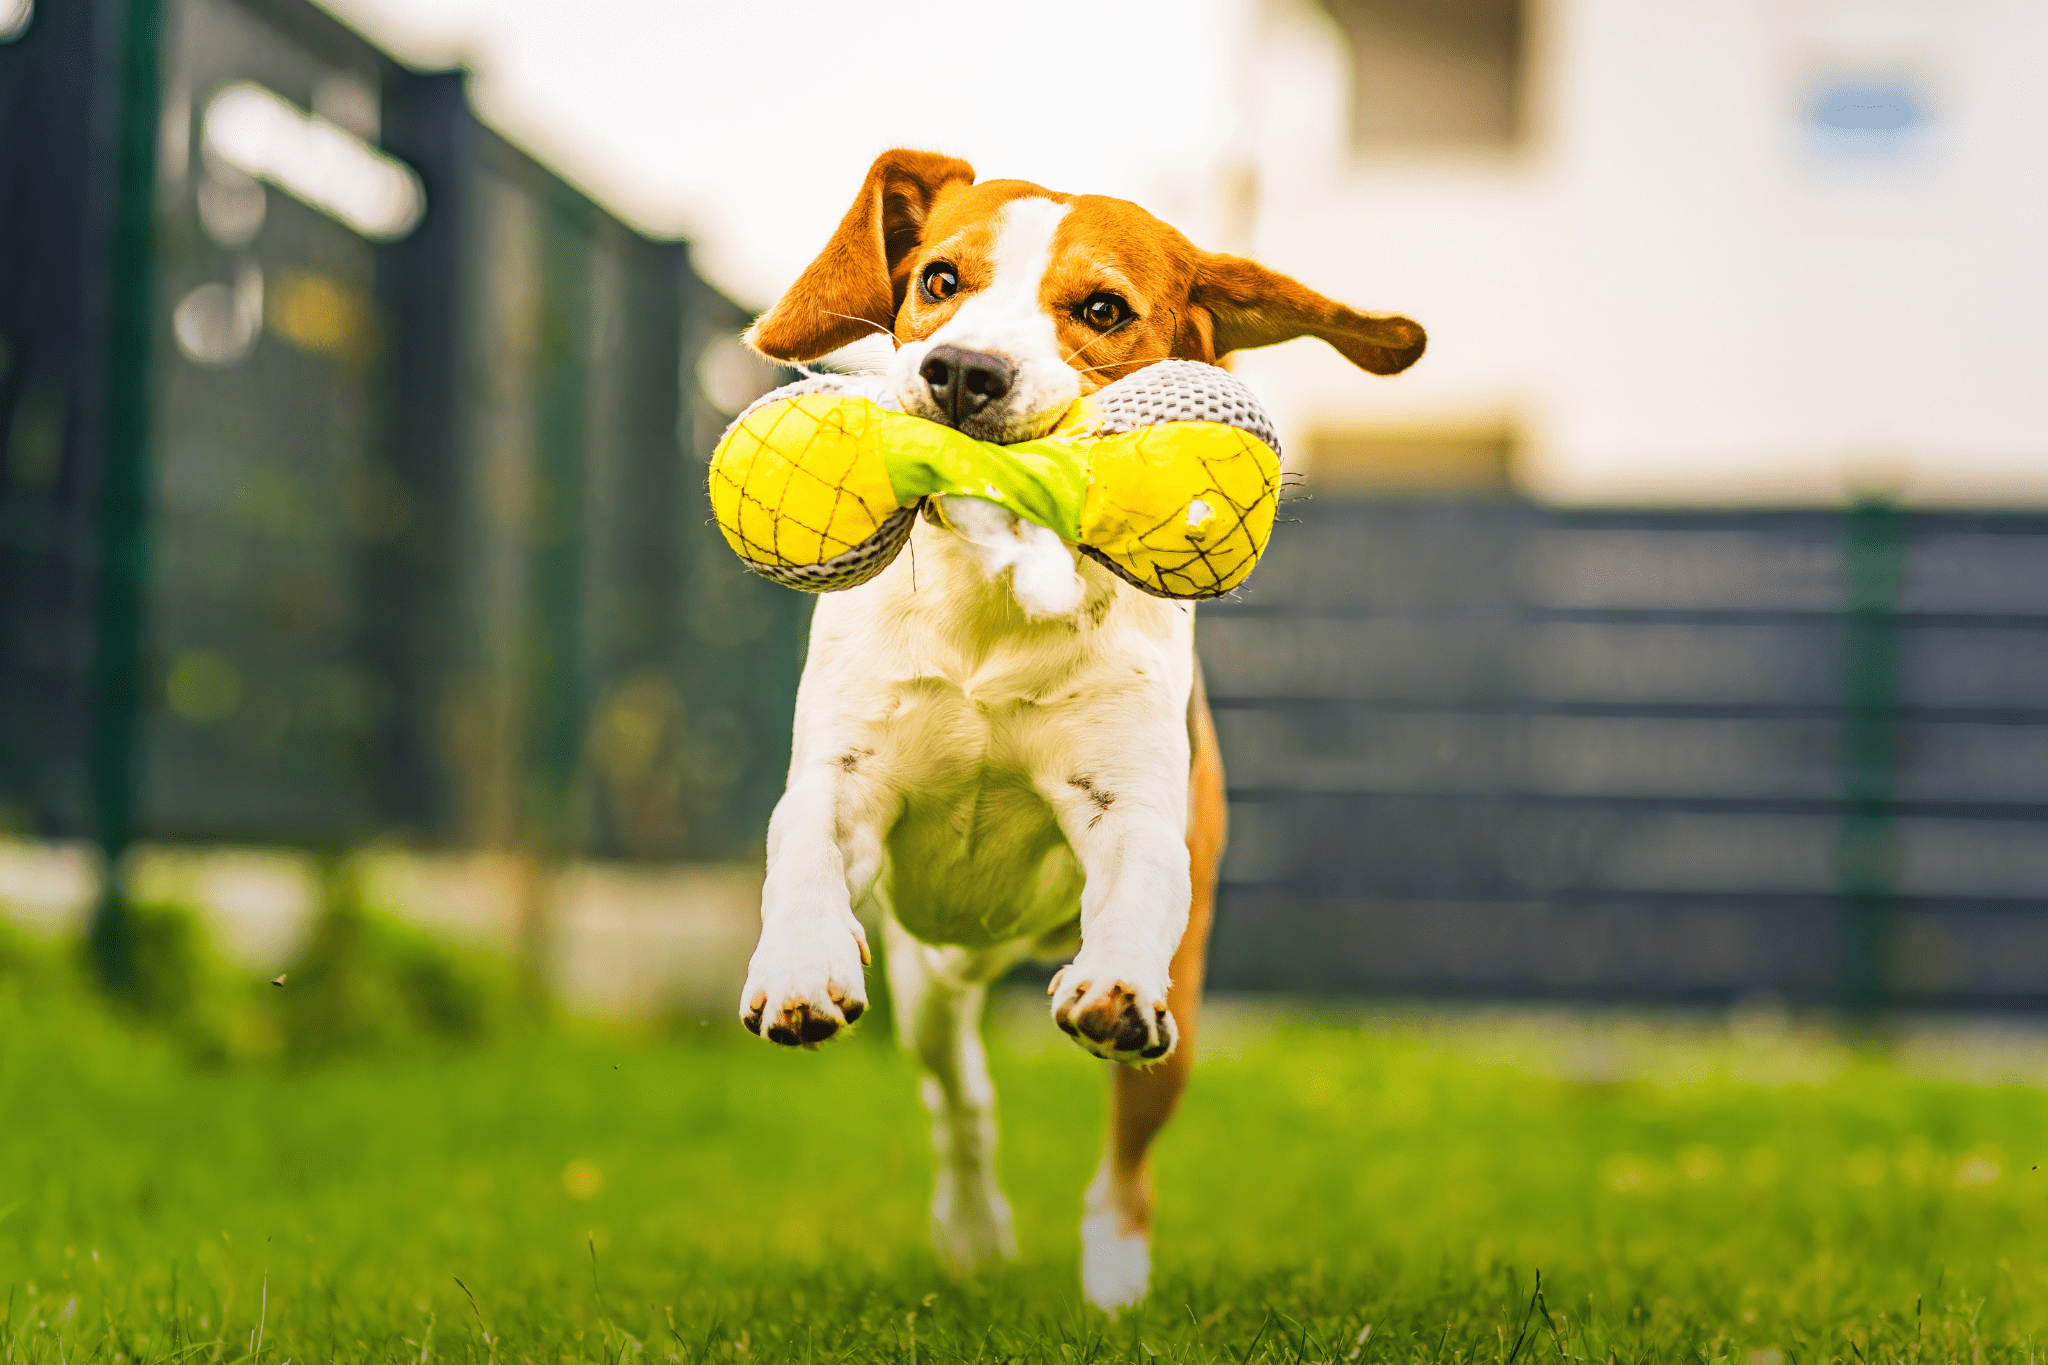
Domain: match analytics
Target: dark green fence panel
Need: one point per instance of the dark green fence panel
(1488, 749)
(428, 551)
(563, 690)
(61, 110)
(267, 426)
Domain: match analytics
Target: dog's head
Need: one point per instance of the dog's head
(1007, 301)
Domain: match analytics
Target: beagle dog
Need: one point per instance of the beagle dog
(1000, 745)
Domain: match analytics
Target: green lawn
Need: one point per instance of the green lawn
(705, 1197)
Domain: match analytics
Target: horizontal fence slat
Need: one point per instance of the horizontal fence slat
(1326, 943)
(1345, 749)
(1398, 844)
(1620, 663)
(1268, 939)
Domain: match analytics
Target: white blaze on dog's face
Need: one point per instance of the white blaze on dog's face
(979, 351)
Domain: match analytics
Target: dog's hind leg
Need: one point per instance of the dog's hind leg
(1116, 1224)
(937, 995)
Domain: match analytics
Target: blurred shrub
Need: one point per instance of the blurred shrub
(369, 981)
(366, 981)
(182, 990)
(176, 971)
(32, 968)
(184, 987)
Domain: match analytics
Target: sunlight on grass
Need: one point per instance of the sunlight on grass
(1339, 1186)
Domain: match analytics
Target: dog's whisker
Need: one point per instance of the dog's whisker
(865, 322)
(1077, 352)
(1082, 349)
(1117, 364)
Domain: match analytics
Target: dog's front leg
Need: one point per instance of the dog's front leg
(1126, 819)
(806, 979)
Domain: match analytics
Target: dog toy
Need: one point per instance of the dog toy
(1168, 477)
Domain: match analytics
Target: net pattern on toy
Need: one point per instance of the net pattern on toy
(874, 388)
(861, 559)
(1183, 391)
(848, 570)
(1190, 568)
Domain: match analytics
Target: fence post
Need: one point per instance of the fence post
(551, 773)
(1874, 548)
(124, 480)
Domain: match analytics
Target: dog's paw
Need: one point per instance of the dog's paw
(1116, 1263)
(1116, 1242)
(804, 988)
(1115, 1015)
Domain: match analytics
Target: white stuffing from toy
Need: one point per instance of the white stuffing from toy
(1040, 564)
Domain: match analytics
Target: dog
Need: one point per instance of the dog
(999, 744)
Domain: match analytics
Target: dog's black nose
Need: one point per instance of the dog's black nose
(964, 382)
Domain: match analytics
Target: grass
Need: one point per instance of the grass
(1765, 1201)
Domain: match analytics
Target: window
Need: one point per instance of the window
(1433, 72)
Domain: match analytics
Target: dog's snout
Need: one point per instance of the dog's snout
(963, 382)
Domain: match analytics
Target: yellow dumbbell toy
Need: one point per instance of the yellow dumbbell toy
(1168, 477)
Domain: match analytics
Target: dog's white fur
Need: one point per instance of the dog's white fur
(990, 735)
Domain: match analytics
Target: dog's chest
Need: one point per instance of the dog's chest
(998, 712)
(976, 854)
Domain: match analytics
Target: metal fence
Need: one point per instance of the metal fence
(404, 534)
(1485, 749)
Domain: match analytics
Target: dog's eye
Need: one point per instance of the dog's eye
(939, 281)
(1104, 311)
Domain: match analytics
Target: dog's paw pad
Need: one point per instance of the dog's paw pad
(1113, 1020)
(801, 992)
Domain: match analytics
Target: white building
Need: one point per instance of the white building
(1668, 251)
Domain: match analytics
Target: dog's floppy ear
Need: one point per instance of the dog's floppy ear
(1253, 306)
(857, 282)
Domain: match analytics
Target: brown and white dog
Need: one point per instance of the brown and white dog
(1001, 743)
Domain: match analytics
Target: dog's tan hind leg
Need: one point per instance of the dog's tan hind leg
(1116, 1224)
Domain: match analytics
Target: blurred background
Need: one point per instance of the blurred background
(1676, 631)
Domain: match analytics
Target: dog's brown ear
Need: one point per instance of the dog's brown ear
(856, 284)
(1253, 306)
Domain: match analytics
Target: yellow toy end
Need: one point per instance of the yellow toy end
(1182, 509)
(802, 494)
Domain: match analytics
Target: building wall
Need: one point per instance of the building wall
(1676, 284)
